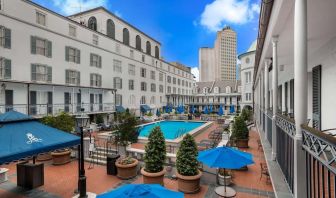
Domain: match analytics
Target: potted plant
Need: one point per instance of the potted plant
(240, 133)
(224, 177)
(187, 166)
(126, 132)
(126, 167)
(155, 156)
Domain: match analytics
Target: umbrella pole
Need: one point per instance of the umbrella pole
(224, 182)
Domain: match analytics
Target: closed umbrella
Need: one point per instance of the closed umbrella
(158, 114)
(225, 157)
(206, 110)
(141, 191)
(220, 111)
(232, 109)
(210, 108)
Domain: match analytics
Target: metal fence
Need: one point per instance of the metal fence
(269, 127)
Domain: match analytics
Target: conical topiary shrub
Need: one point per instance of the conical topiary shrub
(187, 166)
(240, 133)
(155, 156)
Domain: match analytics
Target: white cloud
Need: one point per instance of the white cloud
(69, 7)
(219, 12)
(195, 72)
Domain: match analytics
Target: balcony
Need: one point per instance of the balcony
(40, 110)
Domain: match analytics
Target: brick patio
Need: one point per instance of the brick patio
(61, 181)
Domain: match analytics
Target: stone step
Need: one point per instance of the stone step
(95, 161)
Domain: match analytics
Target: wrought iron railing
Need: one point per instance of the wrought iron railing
(269, 126)
(320, 151)
(285, 131)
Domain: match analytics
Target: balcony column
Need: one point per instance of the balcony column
(275, 93)
(300, 94)
(267, 62)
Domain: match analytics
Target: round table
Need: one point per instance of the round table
(229, 192)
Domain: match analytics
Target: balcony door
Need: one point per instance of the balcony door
(79, 102)
(67, 101)
(32, 102)
(50, 103)
(316, 72)
(91, 101)
(8, 100)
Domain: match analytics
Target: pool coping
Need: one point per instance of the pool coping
(176, 141)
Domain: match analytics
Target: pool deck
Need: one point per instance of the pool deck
(61, 181)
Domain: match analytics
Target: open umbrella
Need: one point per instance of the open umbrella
(225, 157)
(220, 110)
(141, 191)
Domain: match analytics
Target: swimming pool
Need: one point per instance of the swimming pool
(171, 129)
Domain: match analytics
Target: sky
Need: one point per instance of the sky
(181, 26)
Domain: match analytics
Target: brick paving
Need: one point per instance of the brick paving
(61, 181)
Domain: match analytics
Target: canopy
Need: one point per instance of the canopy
(144, 108)
(22, 136)
(141, 191)
(225, 157)
(120, 109)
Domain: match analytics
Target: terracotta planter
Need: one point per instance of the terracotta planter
(61, 157)
(227, 179)
(127, 171)
(153, 178)
(44, 157)
(242, 143)
(189, 184)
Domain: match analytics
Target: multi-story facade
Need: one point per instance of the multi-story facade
(246, 68)
(93, 59)
(294, 95)
(219, 63)
(217, 93)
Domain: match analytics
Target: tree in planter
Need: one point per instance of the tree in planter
(155, 151)
(240, 133)
(186, 159)
(246, 114)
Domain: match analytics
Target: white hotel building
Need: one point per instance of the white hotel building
(94, 59)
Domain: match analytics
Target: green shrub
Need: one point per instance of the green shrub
(239, 129)
(62, 121)
(155, 151)
(186, 159)
(99, 119)
(246, 114)
(126, 132)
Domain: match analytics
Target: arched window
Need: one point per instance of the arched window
(228, 89)
(138, 42)
(152, 101)
(148, 48)
(126, 36)
(205, 90)
(157, 52)
(143, 100)
(110, 29)
(92, 24)
(216, 90)
(132, 100)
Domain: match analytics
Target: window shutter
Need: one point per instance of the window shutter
(99, 61)
(33, 44)
(100, 80)
(120, 83)
(33, 72)
(91, 79)
(66, 53)
(8, 69)
(78, 78)
(317, 97)
(91, 59)
(114, 83)
(67, 77)
(49, 47)
(49, 74)
(78, 56)
(7, 38)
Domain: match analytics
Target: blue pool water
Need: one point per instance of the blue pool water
(171, 129)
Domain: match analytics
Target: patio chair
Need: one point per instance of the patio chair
(264, 171)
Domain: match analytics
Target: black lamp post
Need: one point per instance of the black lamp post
(81, 122)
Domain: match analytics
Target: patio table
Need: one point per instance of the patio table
(229, 192)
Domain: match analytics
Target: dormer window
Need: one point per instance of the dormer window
(92, 23)
(205, 90)
(228, 89)
(40, 18)
(216, 90)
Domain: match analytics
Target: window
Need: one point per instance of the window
(5, 37)
(110, 29)
(117, 83)
(248, 77)
(72, 77)
(117, 48)
(161, 88)
(117, 66)
(161, 77)
(247, 60)
(174, 80)
(131, 54)
(168, 79)
(118, 99)
(205, 90)
(95, 60)
(95, 39)
(216, 90)
(179, 81)
(161, 99)
(138, 42)
(132, 100)
(153, 75)
(143, 86)
(143, 58)
(228, 89)
(174, 90)
(95, 80)
(125, 36)
(148, 48)
(169, 89)
(92, 23)
(41, 73)
(182, 82)
(72, 54)
(131, 69)
(153, 87)
(5, 68)
(131, 84)
(143, 72)
(152, 101)
(40, 18)
(143, 100)
(72, 30)
(40, 46)
(157, 52)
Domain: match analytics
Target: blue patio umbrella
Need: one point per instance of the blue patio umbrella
(220, 110)
(225, 157)
(192, 109)
(232, 109)
(142, 191)
(210, 108)
(206, 111)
